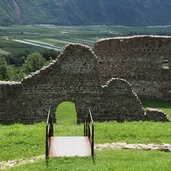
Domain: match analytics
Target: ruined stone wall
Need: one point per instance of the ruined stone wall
(155, 115)
(119, 102)
(144, 61)
(74, 77)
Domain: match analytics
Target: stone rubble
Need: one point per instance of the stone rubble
(148, 147)
(12, 163)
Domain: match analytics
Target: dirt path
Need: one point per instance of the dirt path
(160, 147)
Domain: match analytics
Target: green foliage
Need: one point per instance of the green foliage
(15, 73)
(3, 69)
(50, 54)
(34, 62)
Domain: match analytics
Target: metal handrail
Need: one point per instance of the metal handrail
(48, 117)
(89, 130)
(91, 116)
(49, 132)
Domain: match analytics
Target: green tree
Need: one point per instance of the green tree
(15, 73)
(3, 69)
(34, 62)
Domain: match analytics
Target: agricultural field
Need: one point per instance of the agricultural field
(3, 52)
(23, 141)
(11, 47)
(17, 38)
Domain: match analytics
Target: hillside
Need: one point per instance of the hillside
(83, 12)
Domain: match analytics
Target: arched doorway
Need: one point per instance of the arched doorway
(66, 113)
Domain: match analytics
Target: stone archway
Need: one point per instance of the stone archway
(66, 113)
(73, 76)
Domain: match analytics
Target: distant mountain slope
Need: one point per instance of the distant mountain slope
(80, 12)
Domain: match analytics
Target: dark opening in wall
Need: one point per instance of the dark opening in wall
(165, 64)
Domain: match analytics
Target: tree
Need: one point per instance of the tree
(3, 69)
(34, 61)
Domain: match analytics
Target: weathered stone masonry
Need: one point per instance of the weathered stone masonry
(74, 76)
(144, 61)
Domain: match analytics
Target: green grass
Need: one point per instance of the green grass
(66, 113)
(23, 141)
(106, 160)
(20, 141)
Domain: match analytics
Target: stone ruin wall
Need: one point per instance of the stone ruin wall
(30, 99)
(74, 77)
(144, 61)
(77, 75)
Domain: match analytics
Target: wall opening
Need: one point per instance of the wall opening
(66, 113)
(165, 64)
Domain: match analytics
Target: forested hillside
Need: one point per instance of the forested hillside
(83, 12)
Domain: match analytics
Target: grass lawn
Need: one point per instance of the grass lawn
(23, 141)
(106, 160)
(20, 141)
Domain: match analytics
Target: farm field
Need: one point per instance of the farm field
(3, 52)
(36, 37)
(23, 141)
(12, 47)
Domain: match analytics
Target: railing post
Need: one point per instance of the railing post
(51, 126)
(92, 143)
(47, 144)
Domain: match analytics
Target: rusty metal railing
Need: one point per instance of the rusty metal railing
(89, 130)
